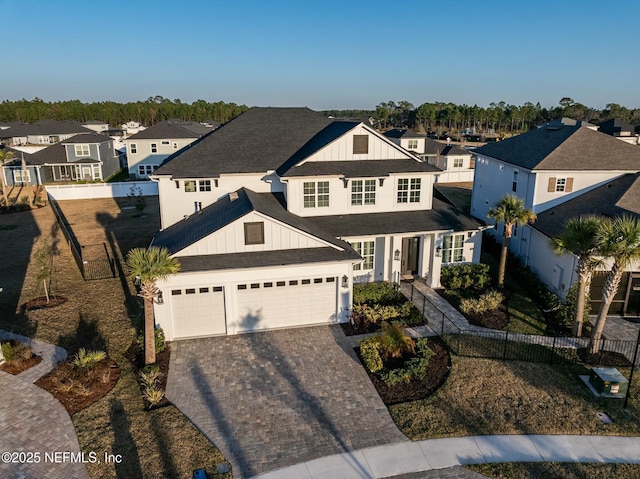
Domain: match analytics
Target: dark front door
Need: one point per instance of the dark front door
(409, 256)
(633, 304)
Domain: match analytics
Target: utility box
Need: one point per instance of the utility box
(609, 382)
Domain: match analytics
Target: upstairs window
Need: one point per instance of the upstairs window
(154, 148)
(409, 190)
(316, 194)
(133, 148)
(360, 144)
(366, 249)
(190, 186)
(82, 151)
(254, 233)
(204, 185)
(563, 185)
(453, 249)
(165, 142)
(514, 183)
(412, 144)
(363, 192)
(144, 170)
(458, 162)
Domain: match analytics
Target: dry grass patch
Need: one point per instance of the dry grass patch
(557, 470)
(485, 396)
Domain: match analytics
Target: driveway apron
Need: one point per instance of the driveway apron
(272, 399)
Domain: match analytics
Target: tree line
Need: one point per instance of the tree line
(147, 112)
(498, 116)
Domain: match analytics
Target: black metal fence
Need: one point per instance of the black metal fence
(479, 342)
(93, 261)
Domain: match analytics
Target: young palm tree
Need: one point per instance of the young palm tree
(619, 239)
(511, 211)
(148, 266)
(580, 238)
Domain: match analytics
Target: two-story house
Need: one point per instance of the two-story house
(455, 162)
(550, 168)
(44, 132)
(277, 213)
(148, 148)
(84, 157)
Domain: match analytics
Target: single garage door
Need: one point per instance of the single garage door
(286, 303)
(198, 311)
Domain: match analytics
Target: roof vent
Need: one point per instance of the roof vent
(233, 196)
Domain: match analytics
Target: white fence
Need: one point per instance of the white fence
(102, 190)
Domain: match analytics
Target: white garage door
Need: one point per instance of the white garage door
(198, 311)
(286, 303)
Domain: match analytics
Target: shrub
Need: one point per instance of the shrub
(394, 342)
(465, 276)
(363, 315)
(376, 293)
(86, 359)
(413, 369)
(486, 302)
(370, 354)
(153, 395)
(8, 352)
(150, 379)
(161, 344)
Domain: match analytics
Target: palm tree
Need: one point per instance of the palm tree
(511, 211)
(147, 266)
(619, 239)
(579, 237)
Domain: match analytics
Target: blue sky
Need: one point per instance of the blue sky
(323, 54)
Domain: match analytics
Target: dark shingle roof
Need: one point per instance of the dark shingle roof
(87, 138)
(399, 133)
(615, 198)
(170, 129)
(225, 211)
(261, 139)
(45, 127)
(441, 217)
(571, 148)
(360, 168)
(262, 259)
(453, 150)
(51, 154)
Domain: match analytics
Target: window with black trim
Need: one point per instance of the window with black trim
(154, 148)
(360, 144)
(453, 249)
(254, 233)
(514, 183)
(412, 144)
(363, 192)
(133, 148)
(409, 190)
(458, 162)
(204, 185)
(315, 194)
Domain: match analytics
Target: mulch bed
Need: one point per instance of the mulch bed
(135, 355)
(351, 329)
(604, 358)
(437, 373)
(495, 319)
(102, 378)
(42, 303)
(19, 365)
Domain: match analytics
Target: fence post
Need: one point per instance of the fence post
(412, 288)
(553, 349)
(442, 325)
(424, 303)
(633, 367)
(506, 339)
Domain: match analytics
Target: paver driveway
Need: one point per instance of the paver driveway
(272, 399)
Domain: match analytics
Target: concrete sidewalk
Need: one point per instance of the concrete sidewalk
(407, 457)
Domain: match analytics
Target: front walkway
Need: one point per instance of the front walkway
(440, 454)
(34, 422)
(271, 399)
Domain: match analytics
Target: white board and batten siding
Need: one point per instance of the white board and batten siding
(101, 190)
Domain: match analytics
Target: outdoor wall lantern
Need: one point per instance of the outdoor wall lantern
(345, 281)
(381, 180)
(159, 298)
(345, 181)
(396, 255)
(438, 249)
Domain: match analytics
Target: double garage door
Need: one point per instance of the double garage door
(259, 305)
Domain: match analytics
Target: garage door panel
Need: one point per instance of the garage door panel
(198, 311)
(298, 302)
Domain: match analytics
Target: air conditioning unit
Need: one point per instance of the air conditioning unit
(609, 382)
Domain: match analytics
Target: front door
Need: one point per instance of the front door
(633, 303)
(409, 266)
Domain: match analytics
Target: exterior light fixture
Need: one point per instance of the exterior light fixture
(345, 281)
(438, 249)
(396, 255)
(159, 298)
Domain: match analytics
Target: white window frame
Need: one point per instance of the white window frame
(453, 248)
(409, 190)
(146, 170)
(190, 186)
(366, 249)
(83, 151)
(204, 185)
(133, 148)
(363, 192)
(175, 145)
(458, 162)
(514, 181)
(18, 177)
(165, 142)
(561, 185)
(412, 144)
(154, 147)
(315, 194)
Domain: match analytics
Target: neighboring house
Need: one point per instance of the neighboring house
(617, 197)
(277, 213)
(132, 127)
(620, 130)
(455, 162)
(44, 132)
(84, 157)
(548, 168)
(97, 126)
(564, 121)
(147, 149)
